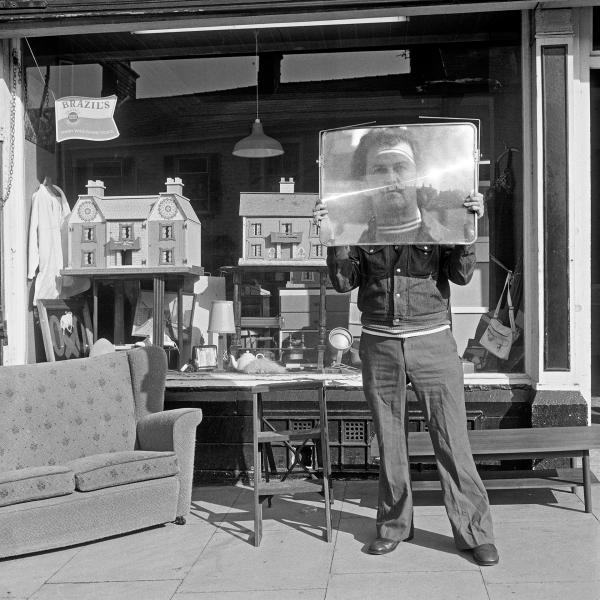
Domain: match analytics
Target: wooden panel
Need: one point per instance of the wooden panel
(556, 217)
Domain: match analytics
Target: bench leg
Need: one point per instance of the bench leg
(573, 465)
(587, 486)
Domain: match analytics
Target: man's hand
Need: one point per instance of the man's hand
(474, 203)
(319, 211)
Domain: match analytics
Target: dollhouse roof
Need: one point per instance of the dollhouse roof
(120, 208)
(262, 204)
(184, 205)
(137, 208)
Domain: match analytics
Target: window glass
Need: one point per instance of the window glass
(185, 99)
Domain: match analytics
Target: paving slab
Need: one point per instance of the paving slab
(566, 548)
(314, 594)
(160, 553)
(451, 585)
(541, 590)
(432, 549)
(21, 577)
(285, 560)
(125, 590)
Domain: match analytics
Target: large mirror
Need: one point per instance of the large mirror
(398, 184)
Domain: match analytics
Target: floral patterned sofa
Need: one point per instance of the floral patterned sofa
(86, 450)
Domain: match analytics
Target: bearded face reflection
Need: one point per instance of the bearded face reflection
(391, 175)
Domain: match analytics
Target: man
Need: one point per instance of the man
(404, 294)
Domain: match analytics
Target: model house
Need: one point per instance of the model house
(161, 230)
(279, 227)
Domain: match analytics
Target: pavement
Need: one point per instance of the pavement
(549, 549)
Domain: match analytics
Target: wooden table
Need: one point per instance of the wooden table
(159, 276)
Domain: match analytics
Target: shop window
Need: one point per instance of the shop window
(177, 123)
(126, 231)
(88, 259)
(315, 229)
(167, 232)
(167, 256)
(117, 174)
(88, 233)
(200, 176)
(255, 229)
(286, 228)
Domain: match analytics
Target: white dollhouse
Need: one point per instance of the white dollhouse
(278, 228)
(160, 230)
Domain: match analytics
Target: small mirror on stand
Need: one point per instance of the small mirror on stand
(340, 340)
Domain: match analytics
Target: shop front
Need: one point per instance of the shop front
(190, 79)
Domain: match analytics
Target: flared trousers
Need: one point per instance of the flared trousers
(431, 364)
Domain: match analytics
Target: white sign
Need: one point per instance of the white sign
(82, 118)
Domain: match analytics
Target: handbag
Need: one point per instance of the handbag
(498, 338)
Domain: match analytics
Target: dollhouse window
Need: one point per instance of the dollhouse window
(166, 232)
(88, 259)
(317, 250)
(286, 228)
(88, 234)
(125, 231)
(256, 250)
(256, 228)
(315, 229)
(166, 256)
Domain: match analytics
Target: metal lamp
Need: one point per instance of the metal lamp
(221, 322)
(257, 144)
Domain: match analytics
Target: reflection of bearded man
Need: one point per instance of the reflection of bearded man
(387, 161)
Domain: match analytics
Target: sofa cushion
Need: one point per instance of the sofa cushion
(35, 483)
(51, 413)
(117, 468)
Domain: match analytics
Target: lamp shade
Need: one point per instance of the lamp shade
(257, 144)
(221, 317)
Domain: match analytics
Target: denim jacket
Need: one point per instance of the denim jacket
(404, 285)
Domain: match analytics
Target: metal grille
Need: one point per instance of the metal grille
(301, 425)
(353, 431)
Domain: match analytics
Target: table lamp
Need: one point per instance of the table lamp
(221, 321)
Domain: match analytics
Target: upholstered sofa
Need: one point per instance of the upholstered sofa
(87, 451)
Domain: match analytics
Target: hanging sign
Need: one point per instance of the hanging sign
(82, 118)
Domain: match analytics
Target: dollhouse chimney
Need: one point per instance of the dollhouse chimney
(174, 185)
(95, 188)
(286, 186)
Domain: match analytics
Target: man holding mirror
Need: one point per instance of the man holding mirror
(404, 298)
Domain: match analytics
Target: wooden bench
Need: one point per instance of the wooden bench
(515, 444)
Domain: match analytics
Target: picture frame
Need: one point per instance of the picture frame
(66, 327)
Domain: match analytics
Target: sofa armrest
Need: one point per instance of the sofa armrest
(174, 430)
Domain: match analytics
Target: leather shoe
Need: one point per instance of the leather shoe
(486, 555)
(382, 546)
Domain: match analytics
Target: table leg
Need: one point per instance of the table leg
(256, 425)
(119, 322)
(326, 461)
(180, 323)
(95, 309)
(158, 312)
(587, 486)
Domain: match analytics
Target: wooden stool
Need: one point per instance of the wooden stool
(264, 487)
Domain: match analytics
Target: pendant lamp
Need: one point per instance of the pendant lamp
(257, 144)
